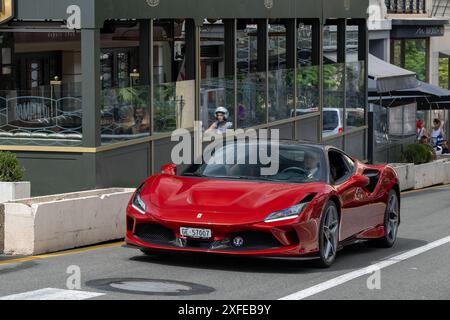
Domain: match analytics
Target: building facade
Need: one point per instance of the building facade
(441, 49)
(407, 34)
(91, 91)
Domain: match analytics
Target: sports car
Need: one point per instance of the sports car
(318, 200)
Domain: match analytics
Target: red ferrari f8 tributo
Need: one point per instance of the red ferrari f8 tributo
(319, 200)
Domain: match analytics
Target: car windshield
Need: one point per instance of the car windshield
(293, 163)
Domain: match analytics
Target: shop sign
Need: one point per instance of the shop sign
(415, 32)
(153, 3)
(430, 31)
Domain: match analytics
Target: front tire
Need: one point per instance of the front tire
(391, 222)
(328, 236)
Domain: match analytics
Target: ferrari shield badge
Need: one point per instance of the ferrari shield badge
(268, 4)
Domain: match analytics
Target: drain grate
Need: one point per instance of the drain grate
(149, 286)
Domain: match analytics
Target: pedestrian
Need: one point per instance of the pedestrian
(420, 130)
(424, 140)
(437, 134)
(445, 147)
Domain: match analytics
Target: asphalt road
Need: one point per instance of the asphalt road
(418, 267)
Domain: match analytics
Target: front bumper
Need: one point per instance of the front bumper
(283, 239)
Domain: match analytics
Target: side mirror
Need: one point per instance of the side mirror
(360, 181)
(169, 169)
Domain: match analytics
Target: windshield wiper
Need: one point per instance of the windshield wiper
(242, 178)
(193, 174)
(229, 177)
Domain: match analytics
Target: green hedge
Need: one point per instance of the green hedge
(417, 154)
(10, 169)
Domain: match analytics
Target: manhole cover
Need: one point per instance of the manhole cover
(149, 286)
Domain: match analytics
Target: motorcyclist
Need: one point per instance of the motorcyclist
(221, 125)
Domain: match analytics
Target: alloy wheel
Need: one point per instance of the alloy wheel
(330, 233)
(392, 218)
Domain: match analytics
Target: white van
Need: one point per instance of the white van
(333, 123)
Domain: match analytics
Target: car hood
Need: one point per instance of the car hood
(175, 196)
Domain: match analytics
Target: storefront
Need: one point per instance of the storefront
(90, 91)
(411, 40)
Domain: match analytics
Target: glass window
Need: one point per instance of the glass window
(340, 167)
(217, 88)
(307, 78)
(174, 89)
(125, 108)
(416, 57)
(334, 94)
(355, 80)
(411, 54)
(40, 88)
(380, 133)
(251, 75)
(6, 61)
(281, 79)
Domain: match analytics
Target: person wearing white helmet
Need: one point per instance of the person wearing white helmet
(221, 125)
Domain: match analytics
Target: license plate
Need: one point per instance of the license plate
(196, 233)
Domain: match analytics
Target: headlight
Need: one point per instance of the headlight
(288, 213)
(137, 201)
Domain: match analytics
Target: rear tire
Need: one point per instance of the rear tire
(328, 236)
(391, 222)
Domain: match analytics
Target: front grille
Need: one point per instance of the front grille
(257, 240)
(154, 233)
(157, 234)
(130, 224)
(252, 241)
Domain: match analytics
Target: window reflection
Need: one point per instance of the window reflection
(40, 92)
(355, 82)
(262, 81)
(334, 88)
(251, 81)
(307, 78)
(174, 89)
(217, 85)
(281, 78)
(125, 111)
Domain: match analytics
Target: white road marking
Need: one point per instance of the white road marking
(53, 294)
(303, 294)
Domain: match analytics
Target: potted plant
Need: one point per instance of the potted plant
(426, 171)
(11, 173)
(417, 154)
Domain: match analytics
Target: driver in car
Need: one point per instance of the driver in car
(311, 163)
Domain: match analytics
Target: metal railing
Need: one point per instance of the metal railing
(406, 6)
(441, 8)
